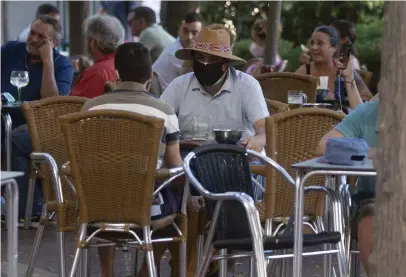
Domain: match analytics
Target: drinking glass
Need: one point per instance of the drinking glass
(202, 127)
(19, 79)
(296, 99)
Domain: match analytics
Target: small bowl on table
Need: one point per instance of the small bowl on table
(227, 136)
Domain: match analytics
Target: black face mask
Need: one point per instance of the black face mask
(208, 74)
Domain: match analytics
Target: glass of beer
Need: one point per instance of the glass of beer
(296, 99)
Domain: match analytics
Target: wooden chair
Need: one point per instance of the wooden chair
(48, 149)
(113, 160)
(292, 137)
(275, 85)
(275, 107)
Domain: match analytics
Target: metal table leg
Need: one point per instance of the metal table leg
(298, 228)
(12, 232)
(8, 124)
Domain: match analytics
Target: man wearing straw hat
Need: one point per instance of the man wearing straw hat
(219, 96)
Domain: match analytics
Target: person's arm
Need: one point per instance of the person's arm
(364, 91)
(49, 87)
(64, 78)
(255, 111)
(349, 127)
(321, 147)
(354, 98)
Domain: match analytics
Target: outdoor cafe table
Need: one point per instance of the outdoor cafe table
(6, 110)
(8, 180)
(305, 170)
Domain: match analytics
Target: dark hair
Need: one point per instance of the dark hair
(345, 29)
(46, 9)
(331, 32)
(145, 13)
(133, 62)
(193, 17)
(54, 23)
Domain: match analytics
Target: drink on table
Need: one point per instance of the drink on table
(296, 99)
(19, 79)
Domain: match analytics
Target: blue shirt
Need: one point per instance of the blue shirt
(14, 57)
(362, 123)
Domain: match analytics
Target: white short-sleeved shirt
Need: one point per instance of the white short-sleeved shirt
(167, 66)
(238, 104)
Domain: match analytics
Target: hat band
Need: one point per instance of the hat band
(207, 46)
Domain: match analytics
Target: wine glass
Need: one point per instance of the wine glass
(19, 79)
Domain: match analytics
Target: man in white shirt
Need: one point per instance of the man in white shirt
(44, 9)
(216, 92)
(151, 35)
(167, 66)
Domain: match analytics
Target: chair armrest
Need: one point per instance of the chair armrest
(167, 174)
(258, 169)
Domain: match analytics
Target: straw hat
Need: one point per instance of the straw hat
(213, 42)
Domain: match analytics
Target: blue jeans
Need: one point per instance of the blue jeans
(20, 161)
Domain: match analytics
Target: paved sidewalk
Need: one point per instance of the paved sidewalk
(47, 262)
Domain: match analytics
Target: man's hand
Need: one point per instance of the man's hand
(256, 143)
(195, 203)
(46, 51)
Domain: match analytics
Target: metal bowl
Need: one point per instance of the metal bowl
(227, 136)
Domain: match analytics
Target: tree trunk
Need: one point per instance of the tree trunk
(274, 18)
(78, 12)
(172, 13)
(389, 258)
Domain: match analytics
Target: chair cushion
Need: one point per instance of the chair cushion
(278, 242)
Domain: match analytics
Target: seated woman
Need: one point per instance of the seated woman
(257, 49)
(324, 44)
(347, 33)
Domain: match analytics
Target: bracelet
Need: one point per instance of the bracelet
(350, 81)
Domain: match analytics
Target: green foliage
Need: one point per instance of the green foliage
(369, 37)
(299, 18)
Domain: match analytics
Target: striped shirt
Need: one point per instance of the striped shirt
(132, 97)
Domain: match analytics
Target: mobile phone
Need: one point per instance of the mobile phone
(345, 53)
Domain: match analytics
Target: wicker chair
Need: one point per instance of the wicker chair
(47, 145)
(293, 137)
(113, 159)
(275, 107)
(221, 173)
(275, 85)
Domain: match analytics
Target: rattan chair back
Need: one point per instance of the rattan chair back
(113, 156)
(292, 137)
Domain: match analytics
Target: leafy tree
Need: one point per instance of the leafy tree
(299, 18)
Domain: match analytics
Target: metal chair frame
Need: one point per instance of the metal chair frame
(85, 241)
(259, 255)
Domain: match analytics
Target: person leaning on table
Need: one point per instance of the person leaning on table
(215, 88)
(360, 123)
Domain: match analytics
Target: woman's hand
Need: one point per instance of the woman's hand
(346, 69)
(304, 58)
